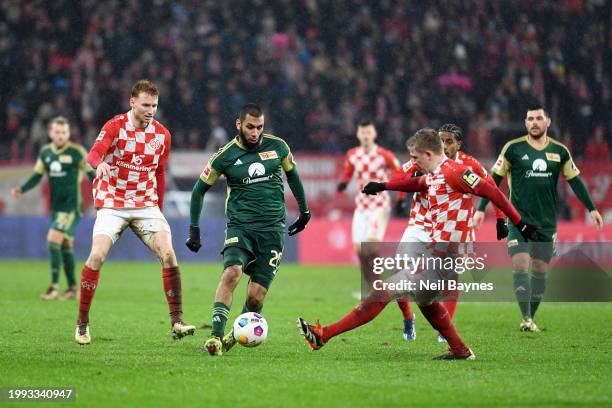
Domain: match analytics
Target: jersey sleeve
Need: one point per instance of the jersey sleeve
(213, 169)
(287, 161)
(390, 160)
(502, 165)
(103, 142)
(569, 168)
(348, 167)
(39, 167)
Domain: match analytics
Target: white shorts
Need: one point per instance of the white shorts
(143, 221)
(412, 233)
(370, 225)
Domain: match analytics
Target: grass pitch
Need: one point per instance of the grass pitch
(133, 362)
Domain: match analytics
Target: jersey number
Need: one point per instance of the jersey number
(276, 258)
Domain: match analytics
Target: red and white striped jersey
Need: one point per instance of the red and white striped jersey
(138, 157)
(419, 205)
(372, 165)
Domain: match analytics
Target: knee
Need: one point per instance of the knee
(96, 259)
(231, 275)
(539, 266)
(520, 263)
(167, 258)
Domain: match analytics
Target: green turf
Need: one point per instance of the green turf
(133, 362)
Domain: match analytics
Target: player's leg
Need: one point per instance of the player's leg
(520, 257)
(541, 255)
(54, 241)
(358, 232)
(107, 228)
(68, 256)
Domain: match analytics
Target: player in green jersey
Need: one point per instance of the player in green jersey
(64, 164)
(533, 164)
(252, 164)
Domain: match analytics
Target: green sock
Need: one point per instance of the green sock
(538, 286)
(522, 291)
(219, 318)
(68, 258)
(55, 250)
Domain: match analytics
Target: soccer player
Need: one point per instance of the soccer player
(370, 162)
(533, 164)
(252, 164)
(64, 164)
(447, 184)
(130, 156)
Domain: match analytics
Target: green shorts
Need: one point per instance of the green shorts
(259, 253)
(65, 222)
(543, 250)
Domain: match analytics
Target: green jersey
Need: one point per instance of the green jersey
(532, 177)
(64, 168)
(255, 187)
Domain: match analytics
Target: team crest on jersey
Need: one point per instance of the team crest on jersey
(65, 158)
(553, 157)
(470, 178)
(268, 155)
(155, 144)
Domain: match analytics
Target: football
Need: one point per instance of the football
(250, 329)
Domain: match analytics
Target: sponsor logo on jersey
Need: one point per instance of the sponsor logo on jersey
(268, 155)
(238, 162)
(553, 157)
(539, 167)
(257, 173)
(206, 173)
(231, 240)
(155, 144)
(65, 158)
(512, 243)
(100, 135)
(470, 178)
(55, 169)
(137, 159)
(525, 157)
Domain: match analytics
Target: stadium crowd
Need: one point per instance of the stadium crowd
(317, 66)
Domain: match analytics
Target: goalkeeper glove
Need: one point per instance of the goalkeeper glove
(373, 188)
(193, 242)
(341, 186)
(502, 229)
(300, 223)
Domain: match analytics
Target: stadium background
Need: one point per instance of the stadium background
(317, 67)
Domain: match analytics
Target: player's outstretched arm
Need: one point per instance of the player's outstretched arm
(28, 185)
(579, 188)
(407, 184)
(195, 206)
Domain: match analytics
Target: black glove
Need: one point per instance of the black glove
(193, 242)
(300, 223)
(529, 232)
(502, 229)
(341, 186)
(373, 188)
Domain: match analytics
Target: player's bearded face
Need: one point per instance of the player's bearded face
(144, 107)
(451, 144)
(537, 123)
(59, 134)
(250, 131)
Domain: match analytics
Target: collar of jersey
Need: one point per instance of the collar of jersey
(538, 148)
(61, 149)
(131, 121)
(437, 169)
(243, 147)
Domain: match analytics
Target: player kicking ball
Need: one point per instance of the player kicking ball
(130, 156)
(446, 183)
(253, 164)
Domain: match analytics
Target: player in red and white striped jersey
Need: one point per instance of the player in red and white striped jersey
(130, 156)
(370, 162)
(446, 184)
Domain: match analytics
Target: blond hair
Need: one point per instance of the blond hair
(60, 120)
(426, 139)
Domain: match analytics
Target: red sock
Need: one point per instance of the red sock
(438, 317)
(404, 305)
(172, 289)
(363, 313)
(450, 301)
(89, 283)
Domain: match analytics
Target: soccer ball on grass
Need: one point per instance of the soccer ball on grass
(250, 329)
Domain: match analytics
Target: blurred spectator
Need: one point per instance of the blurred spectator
(597, 148)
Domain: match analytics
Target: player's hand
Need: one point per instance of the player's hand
(300, 223)
(373, 188)
(193, 242)
(16, 192)
(479, 217)
(502, 229)
(529, 232)
(597, 220)
(341, 186)
(104, 170)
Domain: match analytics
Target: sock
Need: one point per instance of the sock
(438, 317)
(89, 283)
(172, 288)
(362, 314)
(55, 250)
(522, 291)
(450, 301)
(219, 318)
(68, 258)
(404, 305)
(538, 286)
